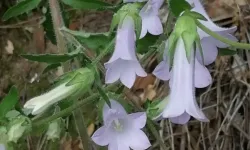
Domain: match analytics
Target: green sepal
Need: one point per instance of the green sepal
(198, 45)
(172, 41)
(189, 40)
(138, 24)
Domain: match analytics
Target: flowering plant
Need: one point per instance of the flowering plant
(91, 95)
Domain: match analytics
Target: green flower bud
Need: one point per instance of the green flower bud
(54, 130)
(72, 85)
(17, 128)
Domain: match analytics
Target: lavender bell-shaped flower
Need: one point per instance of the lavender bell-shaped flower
(121, 131)
(186, 73)
(124, 64)
(150, 20)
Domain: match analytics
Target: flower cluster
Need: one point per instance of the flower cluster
(124, 64)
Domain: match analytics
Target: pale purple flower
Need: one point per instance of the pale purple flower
(124, 64)
(150, 20)
(121, 131)
(182, 102)
(192, 74)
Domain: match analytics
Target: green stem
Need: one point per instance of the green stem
(221, 38)
(67, 111)
(57, 24)
(105, 52)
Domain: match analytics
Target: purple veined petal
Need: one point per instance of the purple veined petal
(224, 45)
(118, 144)
(139, 119)
(152, 24)
(100, 137)
(162, 71)
(182, 119)
(139, 70)
(113, 72)
(194, 110)
(137, 140)
(125, 42)
(209, 49)
(128, 75)
(201, 75)
(181, 82)
(115, 111)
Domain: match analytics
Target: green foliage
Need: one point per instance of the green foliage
(51, 67)
(9, 102)
(86, 4)
(20, 8)
(178, 6)
(226, 52)
(52, 58)
(142, 45)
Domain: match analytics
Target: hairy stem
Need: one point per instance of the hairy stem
(57, 24)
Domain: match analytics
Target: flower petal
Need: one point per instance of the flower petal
(223, 45)
(118, 144)
(193, 109)
(128, 76)
(209, 50)
(162, 71)
(139, 119)
(139, 70)
(182, 119)
(115, 110)
(153, 25)
(201, 75)
(138, 140)
(100, 138)
(113, 72)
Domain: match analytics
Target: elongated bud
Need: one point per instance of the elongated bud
(71, 85)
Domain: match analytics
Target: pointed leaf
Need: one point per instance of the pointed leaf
(51, 67)
(51, 58)
(20, 8)
(9, 102)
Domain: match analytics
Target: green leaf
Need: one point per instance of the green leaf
(86, 4)
(9, 102)
(142, 45)
(20, 8)
(178, 6)
(226, 51)
(51, 67)
(51, 58)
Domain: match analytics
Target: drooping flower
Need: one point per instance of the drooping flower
(150, 20)
(121, 131)
(201, 75)
(124, 64)
(182, 101)
(73, 84)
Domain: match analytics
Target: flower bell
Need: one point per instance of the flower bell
(124, 64)
(150, 20)
(186, 73)
(121, 131)
(73, 84)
